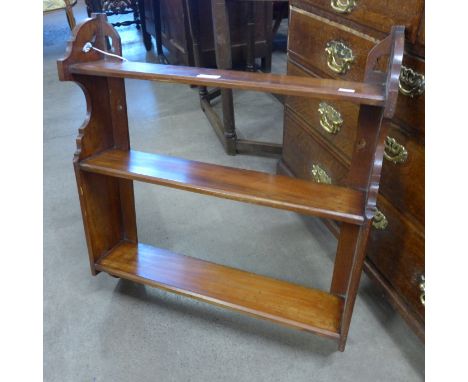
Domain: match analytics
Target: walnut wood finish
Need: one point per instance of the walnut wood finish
(256, 295)
(410, 110)
(362, 93)
(220, 12)
(107, 204)
(310, 52)
(395, 254)
(105, 168)
(173, 22)
(403, 241)
(380, 15)
(338, 203)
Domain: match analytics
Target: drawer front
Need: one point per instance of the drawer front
(334, 121)
(309, 50)
(402, 181)
(421, 39)
(397, 250)
(334, 50)
(305, 154)
(411, 100)
(377, 14)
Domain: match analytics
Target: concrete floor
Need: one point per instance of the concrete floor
(105, 329)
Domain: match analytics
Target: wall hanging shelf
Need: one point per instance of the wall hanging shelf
(106, 167)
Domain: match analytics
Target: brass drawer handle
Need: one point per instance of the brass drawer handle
(320, 175)
(330, 118)
(343, 6)
(412, 84)
(380, 220)
(422, 288)
(339, 56)
(395, 152)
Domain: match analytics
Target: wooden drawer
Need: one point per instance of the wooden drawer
(421, 40)
(395, 253)
(309, 48)
(403, 170)
(309, 52)
(410, 108)
(380, 15)
(398, 252)
(301, 151)
(402, 181)
(308, 110)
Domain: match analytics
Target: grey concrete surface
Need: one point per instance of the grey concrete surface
(105, 329)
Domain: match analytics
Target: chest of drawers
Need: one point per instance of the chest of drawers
(331, 39)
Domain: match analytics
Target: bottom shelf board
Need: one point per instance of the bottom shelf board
(283, 302)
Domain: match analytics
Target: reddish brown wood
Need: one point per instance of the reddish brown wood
(176, 20)
(397, 251)
(377, 14)
(107, 204)
(105, 167)
(400, 261)
(393, 298)
(403, 183)
(307, 110)
(339, 203)
(260, 296)
(363, 93)
(358, 254)
(92, 30)
(410, 111)
(347, 241)
(311, 35)
(220, 10)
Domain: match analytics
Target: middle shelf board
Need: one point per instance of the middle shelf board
(277, 191)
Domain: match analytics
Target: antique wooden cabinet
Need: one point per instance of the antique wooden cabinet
(331, 39)
(180, 19)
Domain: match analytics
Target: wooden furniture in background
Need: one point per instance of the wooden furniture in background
(55, 5)
(123, 7)
(114, 8)
(106, 167)
(331, 39)
(223, 34)
(225, 127)
(172, 17)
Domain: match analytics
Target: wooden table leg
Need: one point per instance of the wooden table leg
(146, 35)
(250, 39)
(225, 128)
(266, 60)
(69, 13)
(222, 39)
(157, 22)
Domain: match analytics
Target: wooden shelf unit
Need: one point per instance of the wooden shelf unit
(106, 167)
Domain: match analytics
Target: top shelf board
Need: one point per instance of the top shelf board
(357, 92)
